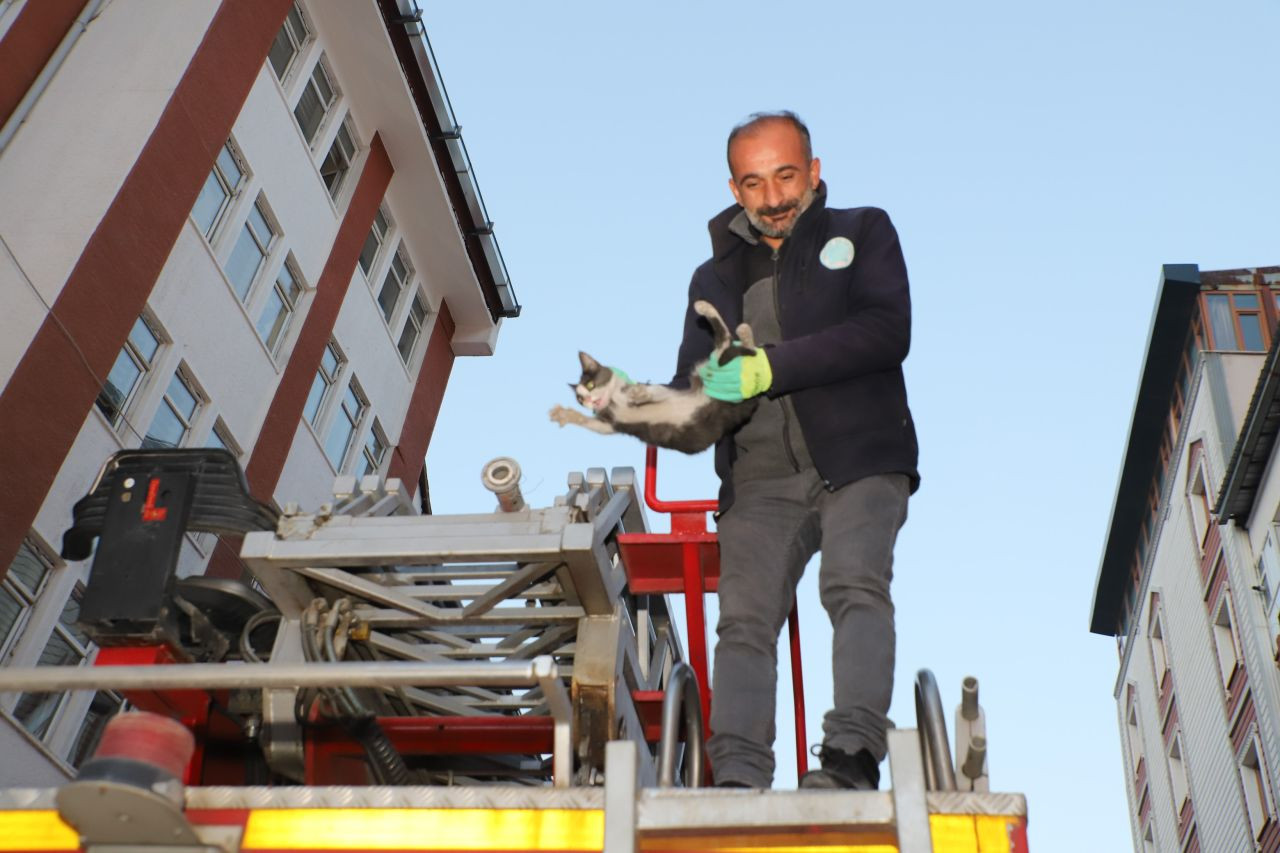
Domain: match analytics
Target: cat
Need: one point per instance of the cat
(685, 420)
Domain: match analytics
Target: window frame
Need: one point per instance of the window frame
(379, 435)
(281, 331)
(317, 418)
(263, 207)
(230, 192)
(1226, 641)
(145, 367)
(1236, 312)
(1179, 778)
(1197, 496)
(299, 47)
(183, 375)
(1259, 784)
(346, 126)
(26, 598)
(1159, 648)
(327, 109)
(388, 312)
(356, 421)
(383, 240)
(420, 327)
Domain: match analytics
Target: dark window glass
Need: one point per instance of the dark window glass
(1251, 332)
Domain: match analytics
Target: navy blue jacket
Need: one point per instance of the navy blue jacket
(845, 333)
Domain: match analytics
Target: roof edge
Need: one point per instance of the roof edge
(1170, 322)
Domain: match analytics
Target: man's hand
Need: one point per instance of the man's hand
(744, 377)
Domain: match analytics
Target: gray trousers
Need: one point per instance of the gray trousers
(774, 526)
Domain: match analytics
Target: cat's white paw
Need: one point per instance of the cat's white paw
(564, 416)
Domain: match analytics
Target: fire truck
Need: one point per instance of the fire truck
(383, 679)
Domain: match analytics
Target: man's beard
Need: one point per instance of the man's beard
(799, 205)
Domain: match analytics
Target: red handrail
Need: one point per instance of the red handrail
(651, 490)
(694, 610)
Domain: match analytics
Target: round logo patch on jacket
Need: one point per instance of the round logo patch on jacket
(837, 254)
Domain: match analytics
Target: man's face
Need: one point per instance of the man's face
(771, 177)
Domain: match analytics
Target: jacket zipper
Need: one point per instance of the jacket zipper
(782, 401)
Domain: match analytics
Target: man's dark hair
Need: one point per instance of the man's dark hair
(754, 120)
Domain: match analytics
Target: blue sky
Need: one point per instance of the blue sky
(1040, 162)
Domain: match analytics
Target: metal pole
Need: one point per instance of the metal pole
(682, 699)
(797, 692)
(939, 773)
(216, 676)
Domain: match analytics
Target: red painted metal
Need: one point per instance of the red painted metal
(333, 758)
(649, 708)
(651, 492)
(651, 561)
(797, 692)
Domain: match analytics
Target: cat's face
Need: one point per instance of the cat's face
(595, 384)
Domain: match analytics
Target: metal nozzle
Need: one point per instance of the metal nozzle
(502, 477)
(976, 758)
(969, 698)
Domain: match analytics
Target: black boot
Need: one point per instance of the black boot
(859, 772)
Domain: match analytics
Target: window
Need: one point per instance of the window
(1267, 567)
(289, 41)
(135, 359)
(338, 161)
(251, 249)
(68, 645)
(19, 591)
(318, 96)
(1148, 839)
(173, 419)
(1235, 321)
(375, 450)
(392, 286)
(1254, 779)
(412, 327)
(1224, 640)
(1198, 500)
(1178, 773)
(1133, 736)
(219, 188)
(344, 425)
(373, 243)
(220, 437)
(1159, 655)
(330, 366)
(278, 310)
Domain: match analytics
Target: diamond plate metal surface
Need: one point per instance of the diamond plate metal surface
(27, 798)
(963, 802)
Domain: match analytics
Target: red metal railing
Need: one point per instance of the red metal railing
(688, 520)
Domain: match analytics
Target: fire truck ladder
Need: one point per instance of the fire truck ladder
(510, 680)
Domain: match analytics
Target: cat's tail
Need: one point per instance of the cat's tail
(718, 327)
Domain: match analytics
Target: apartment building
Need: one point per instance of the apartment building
(1189, 569)
(249, 224)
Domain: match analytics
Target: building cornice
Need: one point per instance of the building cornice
(1170, 323)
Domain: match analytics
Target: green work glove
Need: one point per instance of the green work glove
(621, 374)
(744, 377)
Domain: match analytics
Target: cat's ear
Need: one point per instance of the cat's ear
(573, 385)
(589, 364)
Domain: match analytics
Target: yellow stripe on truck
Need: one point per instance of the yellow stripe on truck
(36, 830)
(425, 829)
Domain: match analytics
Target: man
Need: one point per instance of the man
(826, 462)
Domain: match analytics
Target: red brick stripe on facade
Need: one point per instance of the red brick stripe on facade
(266, 460)
(51, 391)
(424, 406)
(275, 439)
(28, 46)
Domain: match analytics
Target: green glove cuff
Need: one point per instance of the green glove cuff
(757, 375)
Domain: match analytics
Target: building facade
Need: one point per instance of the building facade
(1186, 583)
(247, 224)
